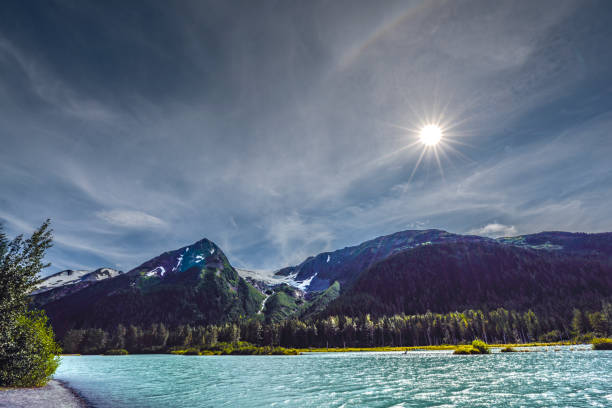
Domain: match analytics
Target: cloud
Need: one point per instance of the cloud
(284, 144)
(131, 219)
(297, 238)
(53, 91)
(495, 230)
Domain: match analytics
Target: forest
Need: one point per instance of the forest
(428, 329)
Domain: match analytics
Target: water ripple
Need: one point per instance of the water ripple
(419, 379)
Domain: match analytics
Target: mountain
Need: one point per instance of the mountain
(194, 284)
(344, 265)
(66, 282)
(593, 245)
(406, 272)
(572, 271)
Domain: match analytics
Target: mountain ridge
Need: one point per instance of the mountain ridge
(197, 284)
(477, 275)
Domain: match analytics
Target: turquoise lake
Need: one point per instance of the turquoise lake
(578, 378)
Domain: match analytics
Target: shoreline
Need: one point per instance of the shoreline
(77, 394)
(429, 348)
(444, 347)
(56, 394)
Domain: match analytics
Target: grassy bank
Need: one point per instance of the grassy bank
(241, 348)
(420, 348)
(366, 349)
(245, 348)
(602, 344)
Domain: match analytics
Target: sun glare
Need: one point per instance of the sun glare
(430, 135)
(433, 137)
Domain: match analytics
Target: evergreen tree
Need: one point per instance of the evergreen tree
(95, 341)
(72, 341)
(580, 323)
(133, 337)
(28, 351)
(118, 337)
(162, 336)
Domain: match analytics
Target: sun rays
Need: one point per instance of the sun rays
(434, 139)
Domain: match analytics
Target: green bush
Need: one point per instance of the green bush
(477, 347)
(32, 357)
(481, 346)
(602, 344)
(116, 352)
(192, 351)
(28, 351)
(464, 350)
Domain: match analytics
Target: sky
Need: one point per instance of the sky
(281, 129)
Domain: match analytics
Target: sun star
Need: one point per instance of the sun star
(430, 135)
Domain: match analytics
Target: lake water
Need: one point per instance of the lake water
(418, 379)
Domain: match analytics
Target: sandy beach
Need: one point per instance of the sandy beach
(53, 395)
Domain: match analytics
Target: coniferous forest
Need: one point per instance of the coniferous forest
(429, 329)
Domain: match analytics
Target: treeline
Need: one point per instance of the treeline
(497, 326)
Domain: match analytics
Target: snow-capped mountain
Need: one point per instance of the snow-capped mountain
(195, 283)
(344, 265)
(72, 277)
(64, 283)
(202, 254)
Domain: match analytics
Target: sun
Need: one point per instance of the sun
(433, 137)
(430, 135)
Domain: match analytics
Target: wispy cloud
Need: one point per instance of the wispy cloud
(297, 238)
(284, 144)
(131, 219)
(495, 230)
(52, 90)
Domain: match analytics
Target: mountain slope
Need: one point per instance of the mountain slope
(593, 245)
(344, 265)
(477, 275)
(66, 282)
(194, 284)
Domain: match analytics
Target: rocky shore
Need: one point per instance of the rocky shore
(54, 395)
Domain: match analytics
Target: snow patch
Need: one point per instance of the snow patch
(269, 278)
(328, 258)
(179, 260)
(160, 271)
(304, 284)
(70, 277)
(59, 279)
(212, 251)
